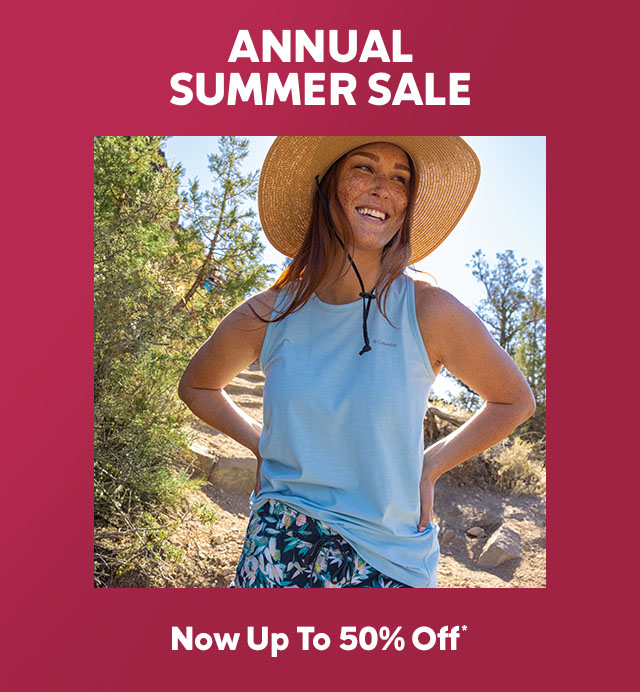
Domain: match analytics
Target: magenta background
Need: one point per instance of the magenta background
(75, 72)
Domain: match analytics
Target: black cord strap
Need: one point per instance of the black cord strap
(366, 297)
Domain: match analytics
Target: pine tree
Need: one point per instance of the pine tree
(505, 285)
(231, 247)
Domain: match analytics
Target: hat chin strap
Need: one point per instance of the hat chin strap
(366, 297)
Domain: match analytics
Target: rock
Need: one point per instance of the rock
(490, 521)
(456, 509)
(205, 461)
(447, 535)
(217, 539)
(229, 475)
(228, 572)
(503, 545)
(475, 531)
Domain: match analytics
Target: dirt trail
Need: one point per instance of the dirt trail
(211, 549)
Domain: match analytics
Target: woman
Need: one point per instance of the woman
(350, 346)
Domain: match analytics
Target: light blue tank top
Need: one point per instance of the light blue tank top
(342, 439)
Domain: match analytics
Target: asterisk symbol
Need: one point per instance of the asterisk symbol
(464, 628)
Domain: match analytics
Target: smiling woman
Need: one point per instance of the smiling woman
(344, 489)
(373, 191)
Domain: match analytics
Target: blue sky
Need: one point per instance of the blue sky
(507, 211)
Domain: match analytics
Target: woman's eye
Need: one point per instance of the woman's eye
(365, 167)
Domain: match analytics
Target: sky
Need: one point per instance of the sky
(507, 211)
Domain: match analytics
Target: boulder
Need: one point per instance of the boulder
(475, 531)
(503, 545)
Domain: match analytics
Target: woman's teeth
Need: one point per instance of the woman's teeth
(365, 211)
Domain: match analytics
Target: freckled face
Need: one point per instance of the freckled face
(373, 190)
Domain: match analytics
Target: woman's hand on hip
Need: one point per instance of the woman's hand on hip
(426, 501)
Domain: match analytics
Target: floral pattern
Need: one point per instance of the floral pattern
(286, 548)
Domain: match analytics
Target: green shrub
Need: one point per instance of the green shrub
(152, 309)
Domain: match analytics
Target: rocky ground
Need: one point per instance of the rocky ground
(471, 518)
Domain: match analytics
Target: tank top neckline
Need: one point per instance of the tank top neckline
(335, 307)
(342, 307)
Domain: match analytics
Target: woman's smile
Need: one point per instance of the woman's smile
(372, 213)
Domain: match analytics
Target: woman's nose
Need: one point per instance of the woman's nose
(380, 186)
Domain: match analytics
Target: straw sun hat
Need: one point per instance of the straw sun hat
(447, 171)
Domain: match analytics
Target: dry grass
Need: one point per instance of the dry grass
(513, 465)
(519, 472)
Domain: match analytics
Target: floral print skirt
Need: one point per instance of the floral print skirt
(286, 548)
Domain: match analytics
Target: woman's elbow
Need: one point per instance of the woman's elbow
(527, 405)
(184, 390)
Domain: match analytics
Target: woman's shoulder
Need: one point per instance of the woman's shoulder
(432, 301)
(441, 316)
(261, 305)
(246, 325)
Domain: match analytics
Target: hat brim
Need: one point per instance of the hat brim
(447, 172)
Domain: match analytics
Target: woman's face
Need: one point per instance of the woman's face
(373, 190)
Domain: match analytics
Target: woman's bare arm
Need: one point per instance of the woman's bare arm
(456, 339)
(235, 344)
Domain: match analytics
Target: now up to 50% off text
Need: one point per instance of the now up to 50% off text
(352, 638)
